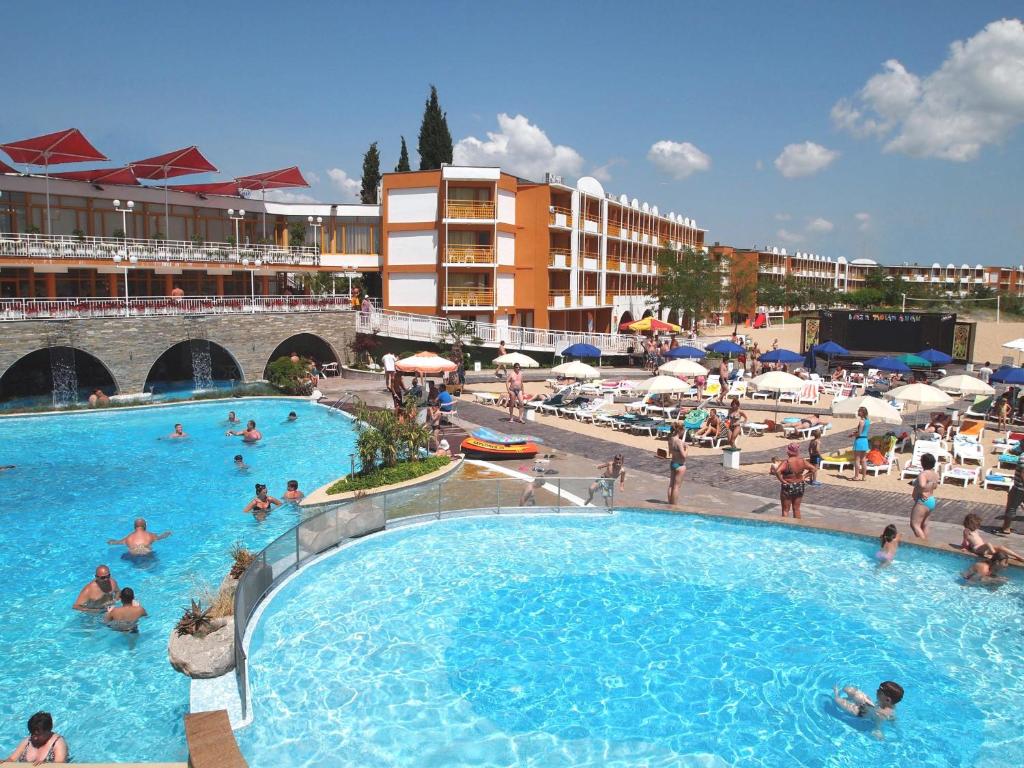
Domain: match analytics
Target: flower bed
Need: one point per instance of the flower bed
(400, 473)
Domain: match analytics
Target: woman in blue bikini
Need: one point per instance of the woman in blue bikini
(860, 444)
(924, 499)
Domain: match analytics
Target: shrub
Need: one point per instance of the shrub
(194, 621)
(241, 559)
(376, 478)
(287, 376)
(385, 439)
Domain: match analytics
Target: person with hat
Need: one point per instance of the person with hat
(791, 474)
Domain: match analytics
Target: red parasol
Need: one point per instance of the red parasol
(5, 168)
(67, 146)
(229, 188)
(180, 162)
(283, 178)
(123, 175)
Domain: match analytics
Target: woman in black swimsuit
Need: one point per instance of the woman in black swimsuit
(42, 745)
(262, 504)
(791, 480)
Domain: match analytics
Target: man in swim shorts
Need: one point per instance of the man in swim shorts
(125, 617)
(98, 593)
(514, 386)
(139, 541)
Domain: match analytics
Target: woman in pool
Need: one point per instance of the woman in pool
(249, 435)
(860, 444)
(924, 499)
(889, 542)
(233, 419)
(261, 505)
(42, 745)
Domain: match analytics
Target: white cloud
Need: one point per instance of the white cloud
(312, 177)
(863, 221)
(678, 159)
(789, 237)
(782, 217)
(348, 186)
(804, 159)
(521, 148)
(975, 98)
(820, 225)
(284, 196)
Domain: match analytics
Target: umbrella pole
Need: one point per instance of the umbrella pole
(46, 174)
(263, 199)
(167, 218)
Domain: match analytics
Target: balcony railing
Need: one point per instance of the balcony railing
(469, 297)
(470, 209)
(156, 306)
(560, 258)
(556, 212)
(469, 254)
(106, 248)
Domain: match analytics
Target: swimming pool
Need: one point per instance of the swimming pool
(631, 639)
(82, 478)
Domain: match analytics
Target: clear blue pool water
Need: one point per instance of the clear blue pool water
(81, 479)
(625, 640)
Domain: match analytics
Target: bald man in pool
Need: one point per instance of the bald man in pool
(139, 541)
(98, 593)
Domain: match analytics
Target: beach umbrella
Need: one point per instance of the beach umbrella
(581, 350)
(180, 162)
(426, 363)
(657, 385)
(283, 178)
(725, 347)
(964, 385)
(879, 411)
(1008, 374)
(781, 356)
(576, 370)
(922, 395)
(935, 356)
(685, 351)
(649, 324)
(683, 368)
(1017, 344)
(777, 382)
(915, 361)
(525, 361)
(829, 348)
(887, 364)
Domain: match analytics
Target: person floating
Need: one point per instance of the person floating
(178, 433)
(41, 745)
(987, 571)
(611, 471)
(98, 593)
(859, 704)
(125, 617)
(249, 435)
(293, 493)
(139, 541)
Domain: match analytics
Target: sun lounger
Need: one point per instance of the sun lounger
(646, 425)
(997, 479)
(959, 473)
(913, 467)
(980, 408)
(838, 460)
(1008, 442)
(968, 450)
(715, 441)
(887, 464)
(1009, 459)
(753, 428)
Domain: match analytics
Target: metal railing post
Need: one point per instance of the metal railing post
(558, 502)
(497, 480)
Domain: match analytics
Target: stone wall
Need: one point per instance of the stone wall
(129, 347)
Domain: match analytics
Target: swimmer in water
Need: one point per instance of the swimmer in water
(249, 435)
(233, 419)
(178, 432)
(293, 416)
(139, 541)
(98, 593)
(293, 493)
(986, 572)
(240, 464)
(889, 542)
(858, 704)
(261, 505)
(125, 617)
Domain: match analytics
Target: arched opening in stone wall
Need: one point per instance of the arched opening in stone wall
(647, 313)
(193, 365)
(627, 317)
(673, 317)
(56, 376)
(307, 345)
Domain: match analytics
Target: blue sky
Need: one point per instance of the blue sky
(689, 106)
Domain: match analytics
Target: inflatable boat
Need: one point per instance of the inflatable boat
(475, 448)
(490, 436)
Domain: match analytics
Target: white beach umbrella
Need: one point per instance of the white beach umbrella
(778, 382)
(511, 358)
(657, 385)
(879, 411)
(683, 368)
(923, 395)
(576, 370)
(962, 384)
(1017, 344)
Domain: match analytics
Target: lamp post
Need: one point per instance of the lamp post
(316, 224)
(124, 263)
(236, 216)
(252, 279)
(129, 207)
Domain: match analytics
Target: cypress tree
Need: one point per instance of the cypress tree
(371, 175)
(403, 159)
(435, 144)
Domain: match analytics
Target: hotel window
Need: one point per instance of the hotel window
(358, 238)
(480, 194)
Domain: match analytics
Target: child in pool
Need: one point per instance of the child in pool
(974, 542)
(889, 542)
(987, 571)
(858, 704)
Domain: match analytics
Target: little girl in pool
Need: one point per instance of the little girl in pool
(890, 542)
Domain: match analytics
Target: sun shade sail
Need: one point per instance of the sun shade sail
(124, 175)
(181, 162)
(68, 146)
(280, 179)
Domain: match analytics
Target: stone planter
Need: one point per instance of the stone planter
(731, 458)
(204, 657)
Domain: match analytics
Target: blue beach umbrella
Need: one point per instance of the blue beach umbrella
(1007, 374)
(781, 356)
(830, 348)
(726, 347)
(935, 357)
(684, 351)
(581, 350)
(887, 364)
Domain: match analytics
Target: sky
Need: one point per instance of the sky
(877, 130)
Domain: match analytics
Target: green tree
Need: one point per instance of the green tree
(795, 293)
(742, 289)
(435, 141)
(296, 234)
(371, 175)
(770, 292)
(403, 159)
(691, 284)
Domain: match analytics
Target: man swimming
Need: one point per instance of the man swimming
(139, 541)
(98, 593)
(179, 431)
(293, 416)
(293, 493)
(240, 464)
(125, 617)
(249, 435)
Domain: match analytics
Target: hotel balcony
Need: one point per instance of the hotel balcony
(468, 255)
(559, 258)
(615, 265)
(470, 210)
(560, 217)
(559, 299)
(614, 229)
(591, 261)
(458, 298)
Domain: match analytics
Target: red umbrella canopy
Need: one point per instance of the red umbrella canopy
(5, 168)
(124, 175)
(181, 162)
(280, 179)
(213, 188)
(68, 146)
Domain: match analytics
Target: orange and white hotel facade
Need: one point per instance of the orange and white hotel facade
(480, 244)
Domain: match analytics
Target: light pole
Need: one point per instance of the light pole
(236, 216)
(120, 261)
(129, 207)
(316, 224)
(252, 279)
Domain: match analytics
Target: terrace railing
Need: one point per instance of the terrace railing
(13, 245)
(343, 523)
(152, 306)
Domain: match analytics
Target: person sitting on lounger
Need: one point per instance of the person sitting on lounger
(806, 422)
(711, 428)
